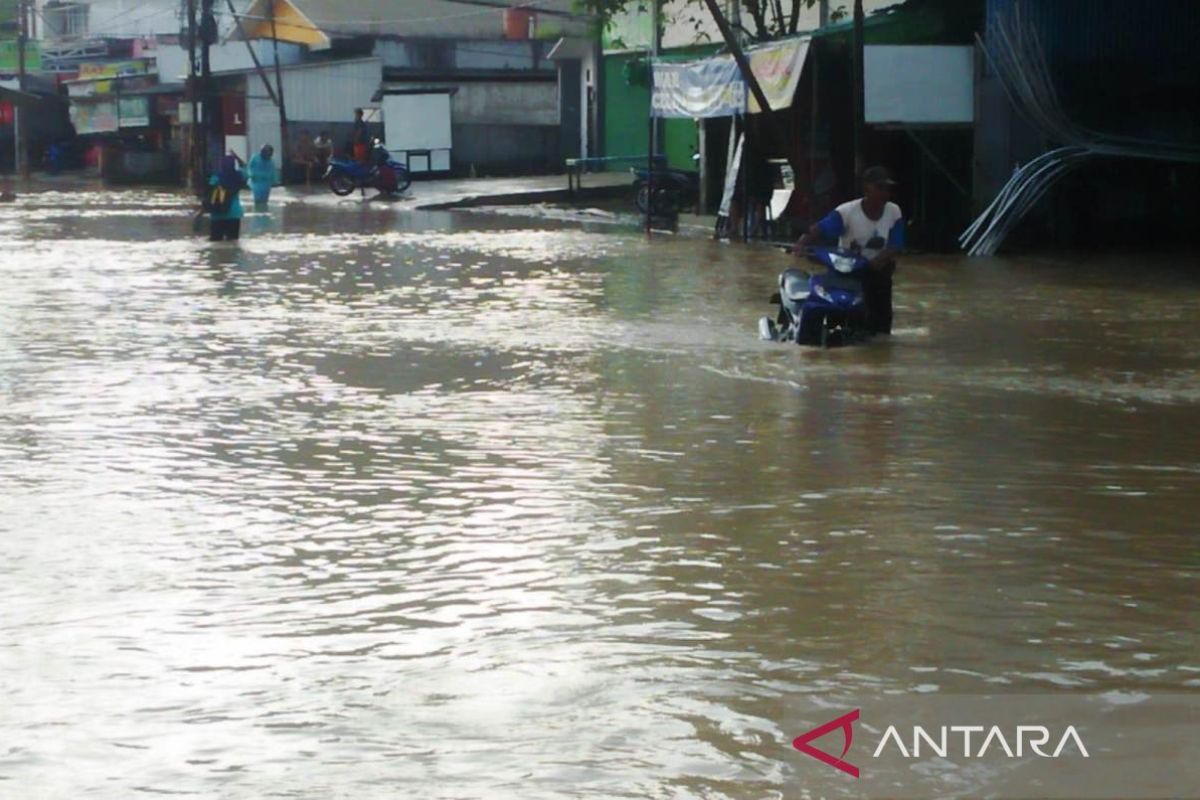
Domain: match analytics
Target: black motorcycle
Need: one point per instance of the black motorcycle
(674, 189)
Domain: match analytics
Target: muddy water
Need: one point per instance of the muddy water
(381, 504)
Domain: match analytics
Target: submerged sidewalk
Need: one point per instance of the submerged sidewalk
(605, 197)
(463, 192)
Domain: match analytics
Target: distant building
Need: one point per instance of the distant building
(497, 89)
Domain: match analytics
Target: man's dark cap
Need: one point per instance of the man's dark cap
(878, 176)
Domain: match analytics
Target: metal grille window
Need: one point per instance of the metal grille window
(66, 20)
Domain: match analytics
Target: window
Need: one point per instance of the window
(66, 20)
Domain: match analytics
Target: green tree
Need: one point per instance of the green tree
(8, 11)
(762, 20)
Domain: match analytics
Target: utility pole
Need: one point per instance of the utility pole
(195, 163)
(823, 13)
(284, 150)
(20, 146)
(208, 113)
(856, 77)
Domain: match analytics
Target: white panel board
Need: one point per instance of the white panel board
(919, 84)
(237, 144)
(417, 121)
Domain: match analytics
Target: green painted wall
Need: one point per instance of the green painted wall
(626, 110)
(680, 140)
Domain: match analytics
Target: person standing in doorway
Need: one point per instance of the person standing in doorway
(304, 155)
(323, 150)
(359, 139)
(263, 176)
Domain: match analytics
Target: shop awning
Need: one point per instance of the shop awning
(18, 98)
(570, 47)
(288, 25)
(714, 87)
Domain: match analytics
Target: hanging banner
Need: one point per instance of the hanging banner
(114, 69)
(713, 87)
(777, 68)
(9, 57)
(94, 117)
(698, 89)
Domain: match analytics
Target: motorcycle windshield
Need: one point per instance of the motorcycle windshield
(839, 261)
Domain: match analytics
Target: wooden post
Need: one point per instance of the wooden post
(20, 145)
(856, 73)
(652, 126)
(812, 127)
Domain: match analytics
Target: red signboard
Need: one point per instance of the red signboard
(233, 114)
(6, 114)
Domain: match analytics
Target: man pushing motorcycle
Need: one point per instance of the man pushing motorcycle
(874, 227)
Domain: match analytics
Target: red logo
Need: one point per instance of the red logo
(846, 723)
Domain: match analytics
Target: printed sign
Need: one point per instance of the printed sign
(134, 111)
(712, 87)
(10, 58)
(114, 69)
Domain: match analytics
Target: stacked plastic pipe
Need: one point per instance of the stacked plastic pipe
(1015, 53)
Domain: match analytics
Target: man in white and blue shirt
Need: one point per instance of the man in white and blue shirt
(874, 227)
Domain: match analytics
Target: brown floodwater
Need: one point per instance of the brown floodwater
(383, 504)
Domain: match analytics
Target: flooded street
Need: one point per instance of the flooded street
(382, 504)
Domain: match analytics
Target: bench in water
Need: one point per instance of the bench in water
(577, 166)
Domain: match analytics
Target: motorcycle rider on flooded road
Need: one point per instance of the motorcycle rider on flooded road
(874, 227)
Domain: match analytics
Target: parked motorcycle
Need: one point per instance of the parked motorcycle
(381, 173)
(824, 308)
(674, 189)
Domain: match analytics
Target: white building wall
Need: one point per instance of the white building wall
(312, 94)
(173, 65)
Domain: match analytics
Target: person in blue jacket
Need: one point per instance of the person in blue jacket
(263, 176)
(227, 222)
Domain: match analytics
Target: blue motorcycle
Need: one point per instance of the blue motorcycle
(381, 173)
(825, 308)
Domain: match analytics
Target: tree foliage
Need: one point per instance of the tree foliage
(761, 20)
